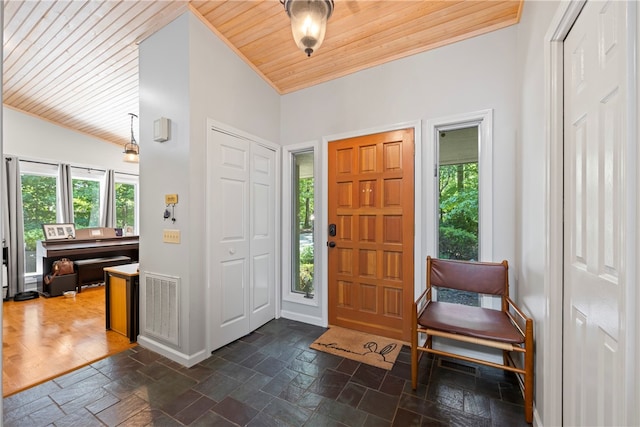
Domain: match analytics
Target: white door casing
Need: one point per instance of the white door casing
(241, 179)
(598, 212)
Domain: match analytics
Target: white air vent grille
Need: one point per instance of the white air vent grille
(161, 297)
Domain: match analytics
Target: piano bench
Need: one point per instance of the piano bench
(91, 270)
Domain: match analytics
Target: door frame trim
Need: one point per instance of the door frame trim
(323, 180)
(483, 119)
(287, 225)
(563, 20)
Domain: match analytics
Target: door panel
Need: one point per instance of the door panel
(595, 227)
(233, 284)
(371, 201)
(228, 169)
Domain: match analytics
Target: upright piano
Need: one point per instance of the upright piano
(83, 248)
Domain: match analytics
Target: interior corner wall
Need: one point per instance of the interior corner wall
(226, 89)
(467, 76)
(164, 169)
(187, 74)
(532, 179)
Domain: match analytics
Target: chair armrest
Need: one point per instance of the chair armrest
(425, 295)
(528, 321)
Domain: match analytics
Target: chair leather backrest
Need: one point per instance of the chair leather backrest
(480, 277)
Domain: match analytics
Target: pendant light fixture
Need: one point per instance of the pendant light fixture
(132, 149)
(308, 22)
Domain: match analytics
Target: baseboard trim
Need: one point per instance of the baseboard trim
(537, 422)
(311, 320)
(187, 360)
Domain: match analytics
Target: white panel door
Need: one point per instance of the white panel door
(241, 243)
(597, 181)
(229, 243)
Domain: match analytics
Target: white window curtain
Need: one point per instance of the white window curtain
(13, 227)
(65, 194)
(107, 215)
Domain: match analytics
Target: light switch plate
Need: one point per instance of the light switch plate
(171, 236)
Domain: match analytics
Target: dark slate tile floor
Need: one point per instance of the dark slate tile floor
(269, 378)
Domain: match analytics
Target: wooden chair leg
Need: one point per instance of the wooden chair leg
(528, 398)
(528, 376)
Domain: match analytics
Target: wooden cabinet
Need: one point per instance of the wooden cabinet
(122, 299)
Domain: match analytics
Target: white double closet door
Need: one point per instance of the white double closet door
(599, 360)
(241, 225)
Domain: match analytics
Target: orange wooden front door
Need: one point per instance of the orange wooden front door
(371, 204)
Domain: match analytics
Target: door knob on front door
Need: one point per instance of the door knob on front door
(331, 244)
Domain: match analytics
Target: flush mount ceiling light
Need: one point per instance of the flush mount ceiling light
(132, 149)
(308, 22)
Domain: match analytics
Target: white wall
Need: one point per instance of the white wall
(188, 75)
(28, 137)
(469, 76)
(164, 169)
(532, 201)
(225, 88)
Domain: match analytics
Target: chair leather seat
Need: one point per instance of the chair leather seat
(476, 322)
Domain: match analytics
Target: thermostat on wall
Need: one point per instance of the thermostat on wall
(161, 129)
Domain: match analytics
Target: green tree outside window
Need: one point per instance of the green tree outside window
(125, 204)
(86, 203)
(38, 207)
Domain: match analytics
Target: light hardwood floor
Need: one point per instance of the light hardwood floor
(47, 337)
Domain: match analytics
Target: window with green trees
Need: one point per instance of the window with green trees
(86, 202)
(39, 202)
(125, 204)
(458, 203)
(459, 211)
(303, 208)
(38, 207)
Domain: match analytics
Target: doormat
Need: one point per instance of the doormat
(359, 346)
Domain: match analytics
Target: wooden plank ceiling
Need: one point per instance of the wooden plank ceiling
(75, 63)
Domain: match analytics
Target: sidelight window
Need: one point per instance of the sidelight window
(302, 215)
(458, 200)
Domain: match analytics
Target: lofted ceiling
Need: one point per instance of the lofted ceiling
(75, 63)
